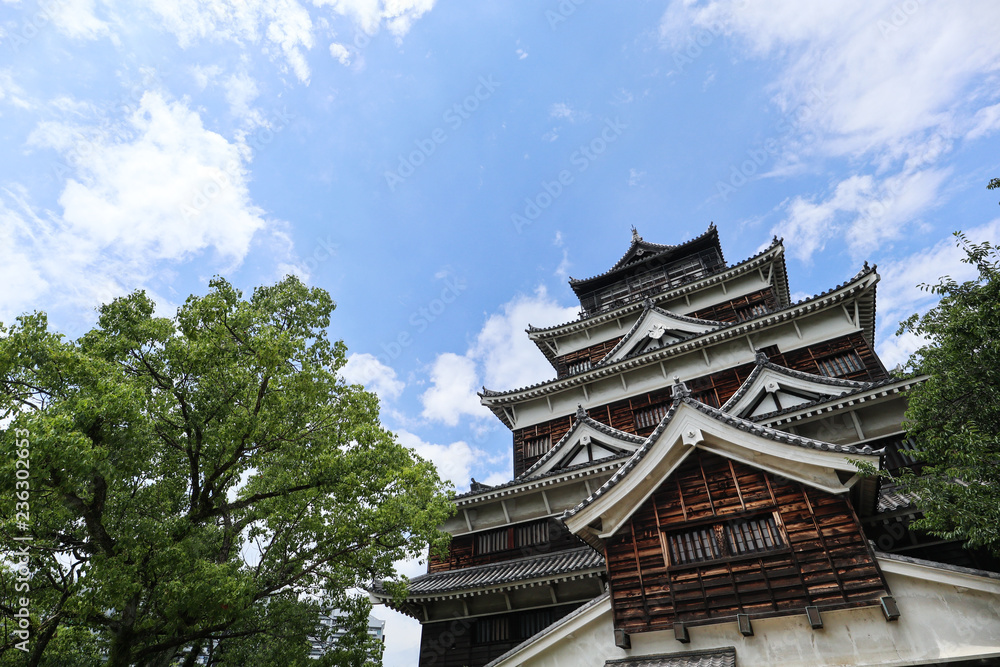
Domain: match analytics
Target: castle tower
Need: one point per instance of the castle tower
(688, 473)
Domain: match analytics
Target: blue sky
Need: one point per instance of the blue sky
(442, 167)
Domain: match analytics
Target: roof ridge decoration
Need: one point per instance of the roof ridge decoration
(648, 307)
(612, 314)
(735, 328)
(638, 244)
(540, 467)
(796, 466)
(758, 382)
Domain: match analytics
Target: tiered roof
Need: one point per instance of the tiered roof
(861, 288)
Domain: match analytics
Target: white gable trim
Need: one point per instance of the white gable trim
(766, 379)
(665, 327)
(615, 502)
(580, 436)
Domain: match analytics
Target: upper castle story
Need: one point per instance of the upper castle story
(664, 313)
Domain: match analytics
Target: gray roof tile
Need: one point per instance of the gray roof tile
(506, 572)
(722, 657)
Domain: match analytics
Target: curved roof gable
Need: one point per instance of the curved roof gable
(770, 388)
(657, 328)
(690, 424)
(586, 441)
(640, 251)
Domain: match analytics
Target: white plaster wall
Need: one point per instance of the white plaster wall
(940, 621)
(740, 286)
(814, 327)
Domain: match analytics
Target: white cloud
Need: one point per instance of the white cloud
(204, 75)
(282, 25)
(396, 15)
(502, 357)
(11, 92)
(365, 369)
(241, 91)
(562, 110)
(887, 75)
(454, 462)
(453, 390)
(340, 52)
(161, 189)
(76, 19)
(897, 84)
(521, 54)
(899, 294)
(865, 210)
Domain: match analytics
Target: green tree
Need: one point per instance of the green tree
(199, 484)
(993, 184)
(954, 416)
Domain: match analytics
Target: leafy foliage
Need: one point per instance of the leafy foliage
(954, 415)
(200, 482)
(993, 184)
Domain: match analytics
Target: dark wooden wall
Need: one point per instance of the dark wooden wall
(455, 643)
(714, 389)
(825, 561)
(462, 552)
(735, 309)
(594, 354)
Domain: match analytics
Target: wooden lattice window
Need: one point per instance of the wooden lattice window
(536, 446)
(533, 622)
(578, 366)
(709, 397)
(739, 537)
(750, 312)
(492, 540)
(495, 629)
(531, 533)
(649, 417)
(840, 364)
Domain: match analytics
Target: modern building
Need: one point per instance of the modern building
(685, 492)
(334, 631)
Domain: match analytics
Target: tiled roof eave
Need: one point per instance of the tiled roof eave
(519, 485)
(824, 300)
(524, 572)
(660, 249)
(772, 253)
(585, 573)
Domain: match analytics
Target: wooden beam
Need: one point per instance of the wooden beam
(857, 424)
(736, 483)
(638, 569)
(468, 522)
(545, 499)
(503, 504)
